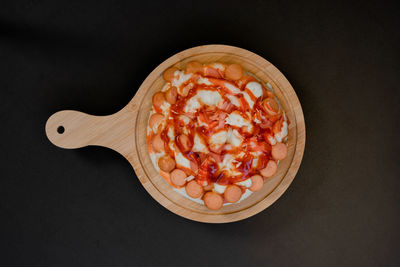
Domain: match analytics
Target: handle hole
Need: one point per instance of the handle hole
(60, 129)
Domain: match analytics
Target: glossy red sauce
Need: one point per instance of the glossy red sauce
(256, 141)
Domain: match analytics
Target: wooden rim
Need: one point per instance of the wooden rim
(279, 80)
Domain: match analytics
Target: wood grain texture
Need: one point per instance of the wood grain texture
(125, 132)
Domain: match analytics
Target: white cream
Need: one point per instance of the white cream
(165, 107)
(186, 120)
(219, 138)
(228, 147)
(206, 97)
(218, 66)
(248, 99)
(189, 178)
(232, 88)
(166, 87)
(181, 160)
(171, 133)
(199, 144)
(246, 183)
(228, 165)
(255, 88)
(255, 158)
(210, 98)
(234, 138)
(192, 105)
(180, 78)
(172, 145)
(204, 81)
(233, 99)
(235, 119)
(219, 188)
(283, 133)
(246, 194)
(254, 163)
(271, 140)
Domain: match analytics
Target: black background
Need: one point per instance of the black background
(86, 207)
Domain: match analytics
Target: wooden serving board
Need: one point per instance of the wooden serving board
(125, 132)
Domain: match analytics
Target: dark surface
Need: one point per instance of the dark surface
(86, 207)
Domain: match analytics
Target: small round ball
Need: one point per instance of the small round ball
(193, 189)
(171, 95)
(166, 163)
(270, 169)
(168, 74)
(155, 120)
(271, 105)
(257, 182)
(194, 67)
(279, 151)
(213, 200)
(232, 193)
(157, 143)
(178, 177)
(158, 99)
(234, 72)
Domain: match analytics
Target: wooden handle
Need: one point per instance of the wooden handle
(74, 129)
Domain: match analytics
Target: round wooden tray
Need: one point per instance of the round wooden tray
(125, 132)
